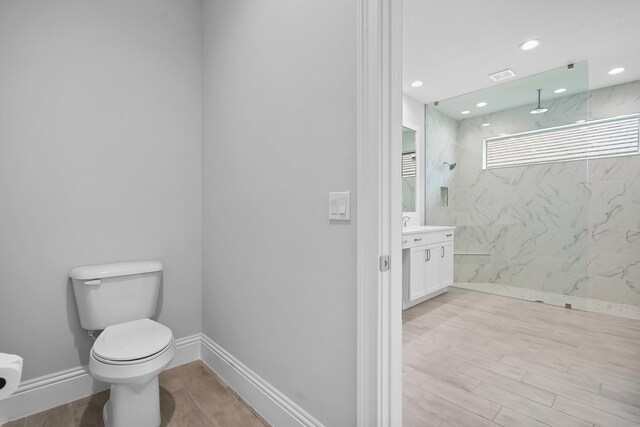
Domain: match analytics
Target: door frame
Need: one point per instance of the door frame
(379, 213)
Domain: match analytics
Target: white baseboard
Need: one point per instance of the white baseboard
(40, 394)
(187, 350)
(49, 391)
(273, 405)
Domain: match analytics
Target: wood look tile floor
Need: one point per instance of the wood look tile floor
(190, 395)
(476, 359)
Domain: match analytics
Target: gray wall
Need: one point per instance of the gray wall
(279, 281)
(568, 228)
(100, 161)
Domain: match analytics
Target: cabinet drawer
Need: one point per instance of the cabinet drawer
(419, 239)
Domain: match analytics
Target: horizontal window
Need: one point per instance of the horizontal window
(617, 136)
(409, 164)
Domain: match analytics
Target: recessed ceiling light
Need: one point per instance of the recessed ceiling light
(486, 124)
(465, 112)
(530, 44)
(481, 104)
(560, 90)
(617, 70)
(417, 83)
(580, 121)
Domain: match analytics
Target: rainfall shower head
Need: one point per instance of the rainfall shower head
(451, 165)
(539, 109)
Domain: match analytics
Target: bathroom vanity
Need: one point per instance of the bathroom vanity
(427, 263)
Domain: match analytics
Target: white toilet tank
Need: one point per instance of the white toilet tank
(108, 294)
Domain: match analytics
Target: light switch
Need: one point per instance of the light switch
(340, 206)
(334, 207)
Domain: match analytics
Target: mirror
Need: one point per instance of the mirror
(409, 167)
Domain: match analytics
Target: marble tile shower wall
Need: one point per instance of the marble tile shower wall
(569, 228)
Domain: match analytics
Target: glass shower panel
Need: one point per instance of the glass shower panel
(523, 230)
(614, 208)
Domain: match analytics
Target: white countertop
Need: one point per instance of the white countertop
(426, 228)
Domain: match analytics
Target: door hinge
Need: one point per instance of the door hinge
(385, 263)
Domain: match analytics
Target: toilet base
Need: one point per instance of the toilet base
(133, 405)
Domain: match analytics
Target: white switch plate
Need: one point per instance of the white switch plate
(340, 206)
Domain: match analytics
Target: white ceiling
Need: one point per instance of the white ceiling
(452, 46)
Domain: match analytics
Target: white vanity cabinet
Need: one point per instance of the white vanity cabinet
(446, 263)
(427, 263)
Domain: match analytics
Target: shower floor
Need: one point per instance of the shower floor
(476, 359)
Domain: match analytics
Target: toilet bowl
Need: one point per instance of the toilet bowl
(130, 356)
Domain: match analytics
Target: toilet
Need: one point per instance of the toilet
(132, 349)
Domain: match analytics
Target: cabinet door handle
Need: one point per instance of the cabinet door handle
(449, 235)
(404, 241)
(428, 254)
(417, 240)
(442, 256)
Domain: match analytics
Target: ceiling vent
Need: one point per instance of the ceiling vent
(502, 75)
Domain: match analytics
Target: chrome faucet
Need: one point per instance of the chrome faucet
(405, 219)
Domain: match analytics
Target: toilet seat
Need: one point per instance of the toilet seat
(132, 342)
(134, 361)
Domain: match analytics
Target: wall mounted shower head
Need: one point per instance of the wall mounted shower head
(451, 165)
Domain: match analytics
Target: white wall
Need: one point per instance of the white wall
(279, 281)
(100, 161)
(412, 113)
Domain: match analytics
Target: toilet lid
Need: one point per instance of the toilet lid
(132, 340)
